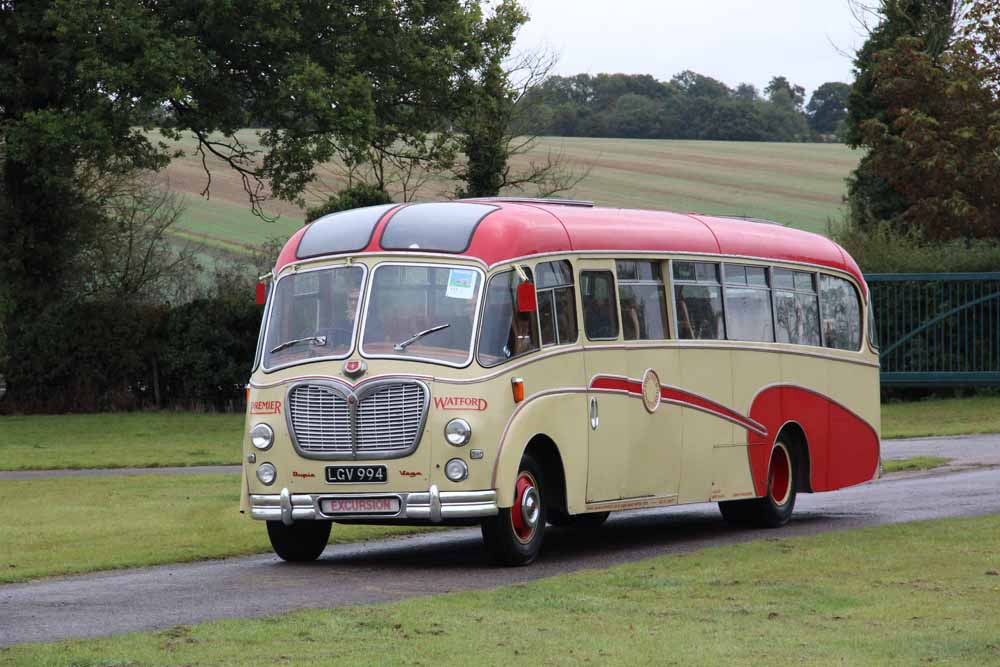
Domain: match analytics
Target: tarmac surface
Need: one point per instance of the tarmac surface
(160, 597)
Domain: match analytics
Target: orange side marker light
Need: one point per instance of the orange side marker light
(517, 386)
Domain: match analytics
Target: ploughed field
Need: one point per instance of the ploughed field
(801, 185)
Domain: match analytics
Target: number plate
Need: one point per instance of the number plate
(356, 475)
(332, 506)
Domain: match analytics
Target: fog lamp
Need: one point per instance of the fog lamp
(266, 473)
(262, 436)
(456, 470)
(458, 432)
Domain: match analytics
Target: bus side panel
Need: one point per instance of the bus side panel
(843, 448)
(751, 371)
(706, 373)
(563, 418)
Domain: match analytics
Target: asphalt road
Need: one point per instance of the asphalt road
(160, 597)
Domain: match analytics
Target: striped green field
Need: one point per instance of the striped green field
(801, 185)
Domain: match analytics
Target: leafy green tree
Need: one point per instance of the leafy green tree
(827, 108)
(938, 138)
(83, 81)
(785, 94)
(635, 116)
(355, 196)
(872, 197)
(496, 127)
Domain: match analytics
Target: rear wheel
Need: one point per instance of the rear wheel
(514, 536)
(301, 542)
(775, 508)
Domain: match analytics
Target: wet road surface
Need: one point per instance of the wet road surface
(152, 598)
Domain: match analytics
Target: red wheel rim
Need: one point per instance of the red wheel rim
(779, 479)
(525, 511)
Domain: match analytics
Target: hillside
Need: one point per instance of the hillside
(801, 185)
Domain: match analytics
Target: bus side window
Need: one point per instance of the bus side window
(643, 300)
(600, 308)
(556, 302)
(506, 333)
(698, 296)
(796, 307)
(841, 313)
(748, 303)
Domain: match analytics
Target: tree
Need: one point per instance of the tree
(937, 139)
(635, 116)
(747, 92)
(872, 197)
(499, 110)
(82, 81)
(827, 107)
(355, 196)
(783, 93)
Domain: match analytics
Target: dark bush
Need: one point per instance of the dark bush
(95, 356)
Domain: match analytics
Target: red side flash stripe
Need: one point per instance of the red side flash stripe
(679, 397)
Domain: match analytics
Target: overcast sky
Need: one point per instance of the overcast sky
(734, 41)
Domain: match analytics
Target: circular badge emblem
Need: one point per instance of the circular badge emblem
(651, 390)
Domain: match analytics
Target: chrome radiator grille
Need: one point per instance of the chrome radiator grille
(390, 417)
(380, 420)
(321, 420)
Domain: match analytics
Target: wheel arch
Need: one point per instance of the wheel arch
(794, 436)
(546, 453)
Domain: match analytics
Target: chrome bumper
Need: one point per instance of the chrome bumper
(432, 505)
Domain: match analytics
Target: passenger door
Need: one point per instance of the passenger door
(609, 403)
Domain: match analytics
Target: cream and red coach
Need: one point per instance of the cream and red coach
(518, 362)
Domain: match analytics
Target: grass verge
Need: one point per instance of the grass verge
(950, 416)
(120, 440)
(915, 463)
(72, 525)
(903, 594)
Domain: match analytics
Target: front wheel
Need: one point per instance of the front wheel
(514, 536)
(301, 542)
(775, 508)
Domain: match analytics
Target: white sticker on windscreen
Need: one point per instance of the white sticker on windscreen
(461, 284)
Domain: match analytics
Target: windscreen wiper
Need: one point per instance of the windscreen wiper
(401, 347)
(315, 340)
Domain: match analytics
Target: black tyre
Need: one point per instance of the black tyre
(582, 521)
(301, 542)
(775, 508)
(514, 536)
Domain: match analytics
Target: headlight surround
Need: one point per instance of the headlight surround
(458, 432)
(262, 436)
(456, 470)
(267, 473)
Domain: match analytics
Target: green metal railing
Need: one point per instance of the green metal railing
(938, 329)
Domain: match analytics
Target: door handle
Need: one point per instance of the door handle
(595, 420)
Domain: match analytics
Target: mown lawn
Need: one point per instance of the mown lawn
(921, 593)
(120, 440)
(950, 416)
(75, 524)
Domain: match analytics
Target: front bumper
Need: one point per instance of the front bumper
(433, 505)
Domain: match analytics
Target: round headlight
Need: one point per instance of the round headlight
(266, 473)
(456, 470)
(458, 432)
(262, 436)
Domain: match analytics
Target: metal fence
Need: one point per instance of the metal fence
(938, 329)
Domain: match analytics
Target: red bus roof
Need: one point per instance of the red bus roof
(520, 229)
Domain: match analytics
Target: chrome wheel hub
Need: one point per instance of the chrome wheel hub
(530, 506)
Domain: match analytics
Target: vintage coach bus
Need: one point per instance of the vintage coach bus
(518, 363)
